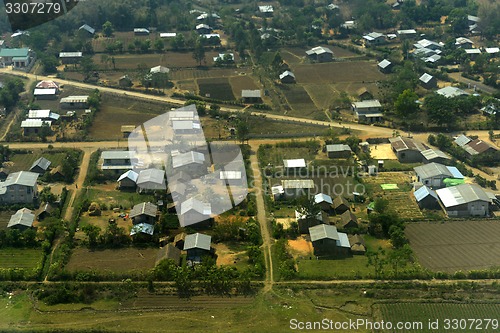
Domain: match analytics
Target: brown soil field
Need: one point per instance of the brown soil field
(301, 246)
(338, 72)
(117, 260)
(383, 152)
(191, 73)
(456, 245)
(241, 82)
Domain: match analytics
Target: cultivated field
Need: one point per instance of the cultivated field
(20, 258)
(218, 88)
(400, 199)
(299, 100)
(423, 312)
(192, 73)
(337, 72)
(242, 82)
(456, 245)
(116, 260)
(4, 218)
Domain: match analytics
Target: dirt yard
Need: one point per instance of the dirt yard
(226, 256)
(300, 247)
(119, 260)
(382, 152)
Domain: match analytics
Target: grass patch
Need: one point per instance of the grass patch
(20, 258)
(23, 162)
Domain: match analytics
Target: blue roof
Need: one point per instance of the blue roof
(454, 171)
(343, 240)
(423, 192)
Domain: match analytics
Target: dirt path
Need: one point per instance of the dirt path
(261, 217)
(84, 167)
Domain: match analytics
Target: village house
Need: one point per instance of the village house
(19, 187)
(324, 201)
(45, 94)
(176, 190)
(340, 205)
(186, 127)
(231, 177)
(43, 115)
(451, 92)
(23, 219)
(125, 81)
(435, 155)
(251, 96)
(463, 43)
(150, 180)
(144, 212)
(407, 150)
(472, 53)
(159, 69)
(40, 166)
(373, 38)
(358, 245)
(74, 102)
(434, 174)
(364, 94)
(87, 28)
(141, 32)
(295, 188)
(426, 198)
(118, 160)
(428, 81)
(57, 173)
(277, 192)
(190, 162)
(195, 213)
(197, 246)
(128, 180)
(294, 166)
(4, 172)
(348, 220)
(170, 252)
(338, 151)
(17, 58)
(369, 111)
(320, 54)
(48, 84)
(477, 147)
(70, 57)
(465, 200)
(385, 66)
(407, 33)
(305, 222)
(327, 242)
(34, 126)
(203, 29)
(287, 77)
(44, 211)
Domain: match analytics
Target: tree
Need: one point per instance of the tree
(406, 106)
(308, 207)
(458, 20)
(438, 110)
(107, 29)
(49, 63)
(92, 232)
(242, 131)
(199, 52)
(159, 45)
(377, 260)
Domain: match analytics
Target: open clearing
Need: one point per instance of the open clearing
(116, 260)
(423, 312)
(456, 245)
(20, 258)
(337, 72)
(23, 162)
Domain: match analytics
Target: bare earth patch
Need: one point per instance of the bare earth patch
(382, 151)
(300, 247)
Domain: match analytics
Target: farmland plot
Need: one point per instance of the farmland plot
(242, 82)
(216, 88)
(337, 72)
(422, 312)
(299, 100)
(20, 258)
(456, 245)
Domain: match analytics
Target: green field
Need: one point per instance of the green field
(23, 162)
(19, 258)
(418, 312)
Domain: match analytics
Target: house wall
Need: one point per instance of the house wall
(435, 182)
(409, 156)
(324, 57)
(127, 183)
(325, 247)
(475, 208)
(305, 224)
(144, 219)
(295, 193)
(339, 154)
(195, 254)
(288, 79)
(19, 194)
(74, 105)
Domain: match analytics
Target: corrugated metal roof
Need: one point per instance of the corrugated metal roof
(144, 228)
(278, 189)
(432, 170)
(301, 216)
(23, 217)
(230, 175)
(323, 231)
(42, 162)
(319, 50)
(343, 240)
(430, 154)
(25, 178)
(373, 103)
(400, 144)
(154, 176)
(251, 94)
(187, 158)
(462, 194)
(44, 91)
(338, 147)
(384, 63)
(426, 78)
(321, 197)
(117, 154)
(145, 208)
(197, 241)
(130, 174)
(87, 28)
(22, 52)
(423, 192)
(43, 114)
(295, 163)
(159, 69)
(196, 205)
(297, 183)
(455, 172)
(74, 99)
(451, 92)
(180, 125)
(462, 140)
(285, 74)
(35, 123)
(70, 54)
